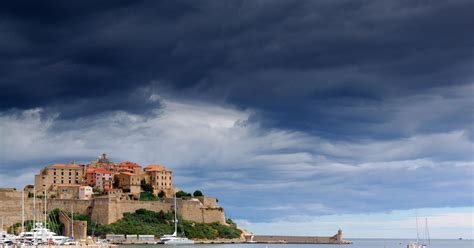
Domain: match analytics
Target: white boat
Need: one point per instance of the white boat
(174, 239)
(6, 239)
(419, 244)
(42, 235)
(416, 245)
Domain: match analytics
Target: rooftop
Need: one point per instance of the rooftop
(128, 164)
(102, 170)
(66, 166)
(155, 167)
(129, 174)
(68, 185)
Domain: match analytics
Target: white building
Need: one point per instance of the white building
(85, 192)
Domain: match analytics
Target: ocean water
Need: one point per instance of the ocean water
(358, 243)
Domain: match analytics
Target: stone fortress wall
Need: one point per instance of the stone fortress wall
(106, 210)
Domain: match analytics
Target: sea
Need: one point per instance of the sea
(357, 243)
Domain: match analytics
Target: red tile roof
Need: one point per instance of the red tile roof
(128, 173)
(155, 167)
(128, 164)
(102, 171)
(67, 166)
(68, 185)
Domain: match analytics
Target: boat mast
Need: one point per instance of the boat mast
(23, 211)
(417, 232)
(43, 232)
(34, 206)
(34, 215)
(175, 217)
(427, 231)
(72, 222)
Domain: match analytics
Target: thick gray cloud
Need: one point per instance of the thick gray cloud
(216, 149)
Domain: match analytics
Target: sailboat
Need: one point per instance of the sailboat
(418, 244)
(39, 234)
(173, 239)
(5, 238)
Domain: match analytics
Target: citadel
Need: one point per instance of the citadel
(105, 191)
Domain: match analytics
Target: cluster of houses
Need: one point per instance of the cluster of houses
(101, 176)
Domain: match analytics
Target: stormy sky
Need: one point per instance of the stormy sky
(288, 111)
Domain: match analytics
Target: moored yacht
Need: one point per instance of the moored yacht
(418, 244)
(6, 239)
(41, 235)
(174, 239)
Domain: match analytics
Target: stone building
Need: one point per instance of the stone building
(99, 178)
(161, 179)
(103, 162)
(85, 193)
(59, 174)
(130, 182)
(127, 167)
(67, 191)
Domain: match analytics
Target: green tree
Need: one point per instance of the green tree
(197, 193)
(161, 194)
(181, 193)
(146, 186)
(147, 196)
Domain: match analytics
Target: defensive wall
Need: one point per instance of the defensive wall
(201, 210)
(106, 210)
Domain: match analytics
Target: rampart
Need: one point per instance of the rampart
(106, 210)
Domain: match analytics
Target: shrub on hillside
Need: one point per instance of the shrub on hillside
(197, 193)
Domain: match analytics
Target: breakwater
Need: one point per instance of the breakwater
(277, 239)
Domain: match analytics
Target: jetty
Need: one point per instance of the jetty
(276, 239)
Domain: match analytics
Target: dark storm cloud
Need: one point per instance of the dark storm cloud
(322, 66)
(329, 107)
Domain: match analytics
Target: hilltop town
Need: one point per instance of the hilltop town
(103, 177)
(105, 191)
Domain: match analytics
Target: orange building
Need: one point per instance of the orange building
(130, 182)
(59, 174)
(128, 167)
(99, 178)
(161, 178)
